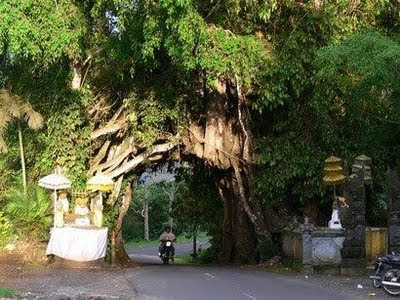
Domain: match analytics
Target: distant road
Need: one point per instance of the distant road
(148, 255)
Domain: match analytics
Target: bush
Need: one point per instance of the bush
(268, 249)
(208, 256)
(6, 292)
(31, 215)
(5, 230)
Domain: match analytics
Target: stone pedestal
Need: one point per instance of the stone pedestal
(307, 230)
(353, 221)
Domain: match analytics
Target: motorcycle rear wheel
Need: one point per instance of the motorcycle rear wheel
(391, 276)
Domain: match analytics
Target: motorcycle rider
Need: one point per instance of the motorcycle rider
(167, 235)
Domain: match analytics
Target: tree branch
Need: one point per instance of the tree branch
(109, 128)
(255, 219)
(102, 153)
(115, 162)
(140, 158)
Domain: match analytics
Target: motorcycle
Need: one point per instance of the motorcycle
(381, 265)
(166, 251)
(387, 274)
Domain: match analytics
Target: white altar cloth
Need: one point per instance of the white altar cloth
(78, 244)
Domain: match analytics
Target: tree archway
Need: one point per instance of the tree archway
(218, 137)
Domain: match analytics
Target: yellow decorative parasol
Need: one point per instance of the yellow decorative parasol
(333, 171)
(101, 183)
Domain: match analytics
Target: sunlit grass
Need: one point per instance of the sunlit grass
(6, 292)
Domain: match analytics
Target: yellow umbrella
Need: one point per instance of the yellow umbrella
(101, 183)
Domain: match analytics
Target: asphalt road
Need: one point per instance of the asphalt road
(189, 282)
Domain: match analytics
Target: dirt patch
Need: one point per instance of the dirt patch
(26, 269)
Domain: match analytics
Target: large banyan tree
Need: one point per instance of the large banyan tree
(141, 82)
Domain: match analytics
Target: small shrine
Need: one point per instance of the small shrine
(78, 233)
(334, 175)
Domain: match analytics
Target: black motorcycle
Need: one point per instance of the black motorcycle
(166, 251)
(387, 273)
(381, 265)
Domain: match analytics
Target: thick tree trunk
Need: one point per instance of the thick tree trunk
(221, 137)
(118, 253)
(225, 142)
(239, 239)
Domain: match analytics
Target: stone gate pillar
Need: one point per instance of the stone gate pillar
(393, 212)
(353, 221)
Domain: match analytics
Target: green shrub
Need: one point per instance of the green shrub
(208, 256)
(6, 292)
(31, 215)
(294, 264)
(5, 230)
(268, 249)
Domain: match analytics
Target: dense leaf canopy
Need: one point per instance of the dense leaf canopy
(316, 77)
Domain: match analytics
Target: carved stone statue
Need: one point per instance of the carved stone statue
(62, 198)
(82, 212)
(98, 213)
(334, 223)
(59, 216)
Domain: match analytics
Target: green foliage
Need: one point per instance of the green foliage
(150, 119)
(294, 264)
(164, 58)
(208, 256)
(352, 109)
(68, 142)
(43, 31)
(30, 215)
(133, 227)
(7, 292)
(197, 206)
(5, 230)
(268, 249)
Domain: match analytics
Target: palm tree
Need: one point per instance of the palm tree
(13, 108)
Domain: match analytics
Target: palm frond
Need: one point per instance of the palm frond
(3, 145)
(10, 104)
(5, 118)
(34, 119)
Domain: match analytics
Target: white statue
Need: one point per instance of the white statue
(62, 198)
(334, 223)
(59, 216)
(82, 212)
(98, 213)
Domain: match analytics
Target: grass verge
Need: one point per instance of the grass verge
(6, 292)
(184, 259)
